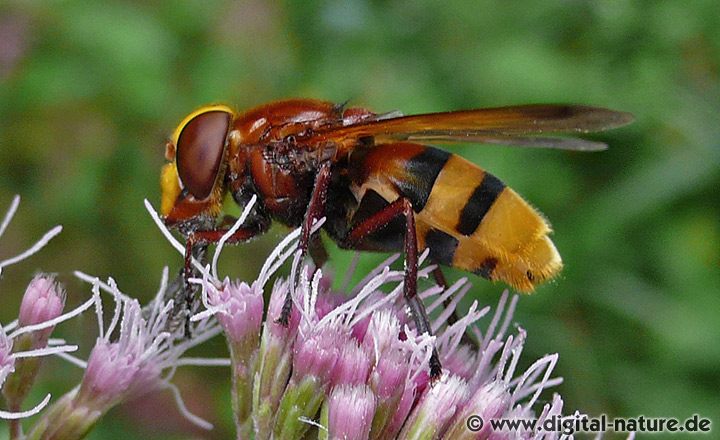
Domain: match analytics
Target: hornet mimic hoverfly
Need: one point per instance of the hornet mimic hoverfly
(377, 183)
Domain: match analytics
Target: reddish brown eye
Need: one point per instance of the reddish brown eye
(200, 147)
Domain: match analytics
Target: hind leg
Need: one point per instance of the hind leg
(401, 208)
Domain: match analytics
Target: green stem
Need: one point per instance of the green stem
(271, 378)
(65, 419)
(243, 355)
(300, 400)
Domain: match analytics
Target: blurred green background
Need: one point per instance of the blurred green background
(90, 91)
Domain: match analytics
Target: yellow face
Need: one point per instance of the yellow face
(169, 188)
(196, 152)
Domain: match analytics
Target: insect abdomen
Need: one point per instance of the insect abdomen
(490, 229)
(467, 217)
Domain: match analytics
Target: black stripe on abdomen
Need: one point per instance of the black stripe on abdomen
(486, 268)
(422, 171)
(442, 246)
(479, 204)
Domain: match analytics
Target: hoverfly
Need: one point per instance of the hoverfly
(380, 187)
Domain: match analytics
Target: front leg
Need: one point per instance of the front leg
(196, 245)
(200, 239)
(402, 207)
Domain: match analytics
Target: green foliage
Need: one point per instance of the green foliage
(89, 91)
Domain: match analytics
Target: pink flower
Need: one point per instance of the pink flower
(134, 355)
(350, 410)
(352, 366)
(44, 300)
(436, 408)
(238, 308)
(24, 342)
(316, 352)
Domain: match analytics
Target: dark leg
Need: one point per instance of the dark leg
(196, 245)
(315, 210)
(317, 251)
(402, 207)
(192, 249)
(201, 239)
(214, 236)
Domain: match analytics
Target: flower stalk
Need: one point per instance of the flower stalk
(274, 364)
(238, 308)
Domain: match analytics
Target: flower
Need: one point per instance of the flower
(348, 412)
(24, 341)
(8, 362)
(436, 408)
(43, 302)
(238, 308)
(136, 353)
(364, 353)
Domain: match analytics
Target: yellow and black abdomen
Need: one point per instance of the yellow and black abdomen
(467, 217)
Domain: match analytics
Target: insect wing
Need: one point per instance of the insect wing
(504, 125)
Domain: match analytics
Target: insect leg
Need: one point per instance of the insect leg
(214, 236)
(192, 250)
(317, 251)
(196, 246)
(315, 210)
(403, 207)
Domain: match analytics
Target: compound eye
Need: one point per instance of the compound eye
(200, 145)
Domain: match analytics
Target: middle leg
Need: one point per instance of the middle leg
(315, 210)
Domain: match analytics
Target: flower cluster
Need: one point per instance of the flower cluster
(354, 367)
(135, 354)
(25, 341)
(348, 365)
(351, 364)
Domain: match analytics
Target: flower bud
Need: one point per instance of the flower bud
(353, 365)
(240, 311)
(44, 300)
(350, 411)
(436, 408)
